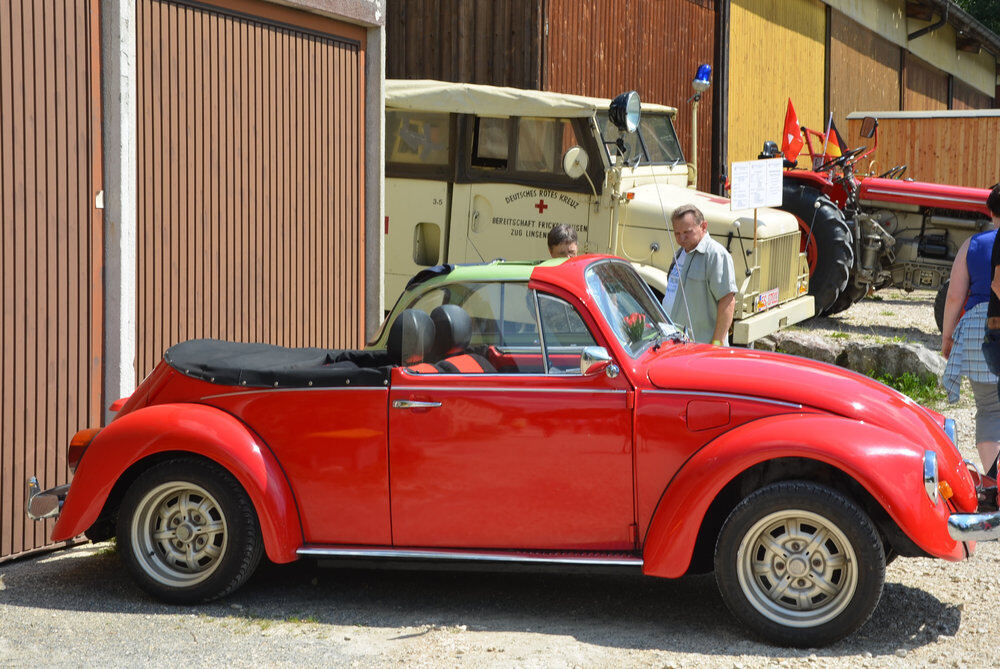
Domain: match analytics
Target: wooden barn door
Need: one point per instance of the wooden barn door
(51, 320)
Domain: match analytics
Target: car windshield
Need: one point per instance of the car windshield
(627, 304)
(655, 143)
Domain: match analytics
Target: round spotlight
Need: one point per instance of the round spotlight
(624, 112)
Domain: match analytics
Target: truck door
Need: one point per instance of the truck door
(418, 195)
(515, 189)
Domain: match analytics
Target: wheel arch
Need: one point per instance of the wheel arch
(879, 470)
(793, 469)
(144, 438)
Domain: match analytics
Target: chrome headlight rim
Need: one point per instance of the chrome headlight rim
(931, 476)
(949, 428)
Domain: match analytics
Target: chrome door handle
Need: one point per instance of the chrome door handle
(412, 404)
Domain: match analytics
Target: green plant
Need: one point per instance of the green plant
(840, 335)
(923, 389)
(887, 313)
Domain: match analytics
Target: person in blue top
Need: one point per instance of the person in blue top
(962, 338)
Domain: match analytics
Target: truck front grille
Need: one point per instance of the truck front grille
(778, 258)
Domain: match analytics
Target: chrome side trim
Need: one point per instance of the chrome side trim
(508, 389)
(732, 396)
(258, 390)
(974, 526)
(410, 404)
(949, 428)
(476, 556)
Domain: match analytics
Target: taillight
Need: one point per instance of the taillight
(78, 444)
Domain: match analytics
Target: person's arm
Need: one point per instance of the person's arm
(724, 317)
(958, 290)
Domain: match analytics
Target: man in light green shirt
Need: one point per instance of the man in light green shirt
(701, 291)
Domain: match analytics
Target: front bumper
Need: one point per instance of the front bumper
(974, 526)
(44, 504)
(767, 322)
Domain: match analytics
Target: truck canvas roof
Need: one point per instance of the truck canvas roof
(442, 96)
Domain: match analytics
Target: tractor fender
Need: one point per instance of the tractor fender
(818, 180)
(889, 467)
(184, 428)
(654, 276)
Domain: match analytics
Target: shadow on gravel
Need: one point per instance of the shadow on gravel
(621, 611)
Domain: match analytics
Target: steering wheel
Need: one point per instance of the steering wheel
(842, 160)
(895, 173)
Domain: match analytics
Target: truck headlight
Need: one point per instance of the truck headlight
(931, 475)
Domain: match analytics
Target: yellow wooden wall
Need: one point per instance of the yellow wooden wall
(864, 72)
(777, 51)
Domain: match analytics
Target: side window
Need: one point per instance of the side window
(565, 334)
(491, 142)
(417, 140)
(541, 143)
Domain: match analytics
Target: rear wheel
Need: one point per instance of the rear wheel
(939, 300)
(826, 241)
(800, 564)
(848, 296)
(188, 532)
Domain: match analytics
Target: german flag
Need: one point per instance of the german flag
(835, 145)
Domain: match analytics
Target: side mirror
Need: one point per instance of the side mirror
(868, 125)
(575, 162)
(595, 359)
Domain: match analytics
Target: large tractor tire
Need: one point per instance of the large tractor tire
(848, 296)
(826, 240)
(939, 300)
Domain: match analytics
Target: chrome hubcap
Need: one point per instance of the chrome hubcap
(179, 534)
(797, 568)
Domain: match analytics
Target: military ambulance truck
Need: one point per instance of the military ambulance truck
(475, 173)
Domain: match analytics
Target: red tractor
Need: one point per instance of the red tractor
(863, 232)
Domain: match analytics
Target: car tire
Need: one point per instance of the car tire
(824, 231)
(800, 564)
(939, 301)
(188, 532)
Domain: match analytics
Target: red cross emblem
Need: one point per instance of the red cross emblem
(541, 206)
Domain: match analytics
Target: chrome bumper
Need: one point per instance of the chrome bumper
(44, 504)
(974, 526)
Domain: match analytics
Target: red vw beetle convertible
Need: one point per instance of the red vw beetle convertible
(537, 413)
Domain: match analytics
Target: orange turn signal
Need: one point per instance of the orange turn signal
(945, 490)
(78, 444)
(630, 195)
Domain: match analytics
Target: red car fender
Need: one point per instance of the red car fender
(192, 428)
(888, 467)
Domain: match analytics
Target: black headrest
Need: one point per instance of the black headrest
(453, 330)
(411, 337)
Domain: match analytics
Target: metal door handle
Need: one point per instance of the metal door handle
(412, 404)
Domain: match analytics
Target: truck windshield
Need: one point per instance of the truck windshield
(628, 306)
(656, 142)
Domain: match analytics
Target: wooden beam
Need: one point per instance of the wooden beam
(918, 10)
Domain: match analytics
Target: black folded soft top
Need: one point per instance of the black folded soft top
(265, 365)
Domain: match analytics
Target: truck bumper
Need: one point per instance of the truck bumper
(760, 325)
(974, 526)
(44, 504)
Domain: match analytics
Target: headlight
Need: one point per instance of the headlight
(931, 475)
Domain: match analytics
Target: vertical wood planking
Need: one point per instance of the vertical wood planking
(942, 149)
(253, 181)
(864, 73)
(926, 86)
(50, 260)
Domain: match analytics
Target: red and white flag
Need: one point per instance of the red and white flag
(791, 140)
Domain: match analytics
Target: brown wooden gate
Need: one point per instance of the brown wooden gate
(251, 166)
(51, 322)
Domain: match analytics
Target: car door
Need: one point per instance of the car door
(539, 457)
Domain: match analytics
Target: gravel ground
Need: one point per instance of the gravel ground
(76, 607)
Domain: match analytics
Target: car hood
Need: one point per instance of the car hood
(788, 378)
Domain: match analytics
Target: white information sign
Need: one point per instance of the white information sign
(756, 183)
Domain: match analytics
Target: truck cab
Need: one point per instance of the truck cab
(475, 173)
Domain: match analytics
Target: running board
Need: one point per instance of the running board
(610, 559)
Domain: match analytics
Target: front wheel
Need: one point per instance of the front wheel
(187, 532)
(939, 300)
(800, 564)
